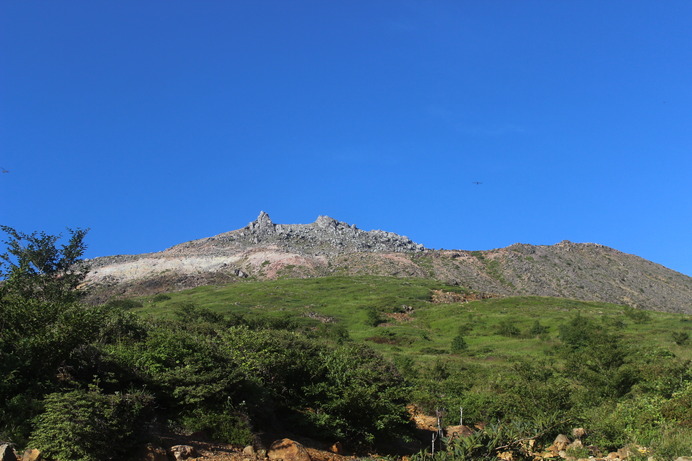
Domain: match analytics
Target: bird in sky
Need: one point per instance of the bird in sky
(4, 170)
(477, 183)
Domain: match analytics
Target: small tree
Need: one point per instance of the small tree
(35, 267)
(40, 322)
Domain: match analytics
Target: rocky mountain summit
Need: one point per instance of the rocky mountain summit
(265, 250)
(325, 236)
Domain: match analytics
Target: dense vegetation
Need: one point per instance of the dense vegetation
(338, 358)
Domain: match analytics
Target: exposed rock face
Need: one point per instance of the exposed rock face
(7, 453)
(180, 452)
(263, 249)
(288, 450)
(32, 454)
(325, 236)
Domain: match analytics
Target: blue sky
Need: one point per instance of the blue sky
(158, 122)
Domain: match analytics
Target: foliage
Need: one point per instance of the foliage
(35, 267)
(361, 397)
(458, 344)
(513, 440)
(372, 317)
(597, 357)
(537, 329)
(681, 338)
(647, 421)
(508, 328)
(225, 359)
(224, 425)
(124, 303)
(87, 425)
(47, 346)
(637, 315)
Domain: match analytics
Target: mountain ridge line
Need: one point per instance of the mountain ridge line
(266, 250)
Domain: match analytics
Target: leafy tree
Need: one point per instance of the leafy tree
(40, 322)
(35, 267)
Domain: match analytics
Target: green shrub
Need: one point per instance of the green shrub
(87, 425)
(637, 315)
(185, 369)
(372, 317)
(459, 344)
(513, 438)
(508, 328)
(681, 338)
(189, 313)
(160, 297)
(578, 452)
(227, 426)
(358, 396)
(537, 329)
(124, 303)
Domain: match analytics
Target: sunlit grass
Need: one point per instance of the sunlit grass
(426, 331)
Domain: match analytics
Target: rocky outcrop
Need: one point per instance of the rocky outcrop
(181, 452)
(288, 450)
(151, 452)
(7, 452)
(325, 236)
(32, 454)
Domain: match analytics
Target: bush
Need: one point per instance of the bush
(372, 317)
(508, 328)
(124, 303)
(225, 426)
(186, 370)
(358, 397)
(86, 425)
(537, 329)
(681, 338)
(459, 344)
(637, 315)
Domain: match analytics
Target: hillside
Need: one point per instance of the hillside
(366, 364)
(265, 250)
(415, 315)
(512, 358)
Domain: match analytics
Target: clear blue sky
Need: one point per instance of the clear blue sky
(157, 122)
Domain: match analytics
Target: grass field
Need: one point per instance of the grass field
(396, 316)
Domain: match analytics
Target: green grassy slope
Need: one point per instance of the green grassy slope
(426, 331)
(551, 363)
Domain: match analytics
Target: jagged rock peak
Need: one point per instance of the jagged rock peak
(263, 223)
(324, 235)
(326, 222)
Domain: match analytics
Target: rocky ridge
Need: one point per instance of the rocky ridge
(325, 236)
(265, 250)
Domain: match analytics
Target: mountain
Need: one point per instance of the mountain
(263, 249)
